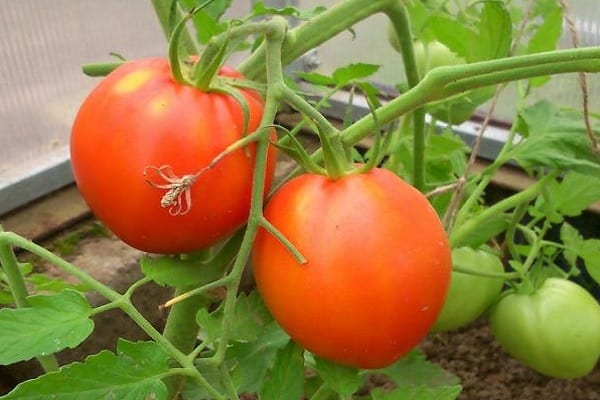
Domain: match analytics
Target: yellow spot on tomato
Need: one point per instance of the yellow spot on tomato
(159, 104)
(133, 81)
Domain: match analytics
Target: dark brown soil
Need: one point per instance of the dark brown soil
(487, 373)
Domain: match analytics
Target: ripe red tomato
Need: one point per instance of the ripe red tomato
(378, 266)
(139, 131)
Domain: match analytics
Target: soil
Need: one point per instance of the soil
(486, 372)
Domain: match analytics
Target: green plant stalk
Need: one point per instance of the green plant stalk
(181, 330)
(12, 239)
(443, 82)
(459, 235)
(401, 23)
(308, 35)
(15, 279)
(275, 82)
(334, 153)
(535, 248)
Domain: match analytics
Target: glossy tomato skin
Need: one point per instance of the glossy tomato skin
(378, 266)
(555, 330)
(470, 296)
(139, 117)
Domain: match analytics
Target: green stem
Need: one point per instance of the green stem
(334, 153)
(15, 279)
(273, 96)
(443, 82)
(181, 330)
(310, 34)
(459, 236)
(503, 275)
(401, 23)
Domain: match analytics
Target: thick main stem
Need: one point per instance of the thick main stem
(401, 23)
(443, 82)
(181, 330)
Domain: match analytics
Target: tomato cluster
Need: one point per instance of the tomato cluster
(137, 143)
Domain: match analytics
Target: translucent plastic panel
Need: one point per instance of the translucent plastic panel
(44, 43)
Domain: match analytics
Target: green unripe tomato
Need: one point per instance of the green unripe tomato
(554, 331)
(469, 295)
(434, 54)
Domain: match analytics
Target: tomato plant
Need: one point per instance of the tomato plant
(350, 260)
(377, 270)
(470, 295)
(553, 330)
(137, 138)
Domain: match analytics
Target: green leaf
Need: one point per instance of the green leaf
(555, 138)
(453, 34)
(343, 380)
(548, 32)
(316, 79)
(286, 379)
(570, 197)
(250, 361)
(51, 324)
(577, 246)
(249, 321)
(260, 9)
(207, 26)
(414, 370)
(546, 38)
(351, 72)
(494, 32)
(133, 373)
(175, 272)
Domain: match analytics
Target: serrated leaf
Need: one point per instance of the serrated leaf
(576, 246)
(494, 32)
(415, 370)
(260, 9)
(341, 379)
(546, 38)
(556, 139)
(250, 360)
(133, 373)
(570, 197)
(286, 379)
(175, 272)
(351, 72)
(453, 34)
(249, 321)
(51, 324)
(316, 79)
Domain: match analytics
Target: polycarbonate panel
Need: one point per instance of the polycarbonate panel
(44, 43)
(42, 47)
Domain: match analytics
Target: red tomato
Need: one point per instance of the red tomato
(378, 266)
(139, 131)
